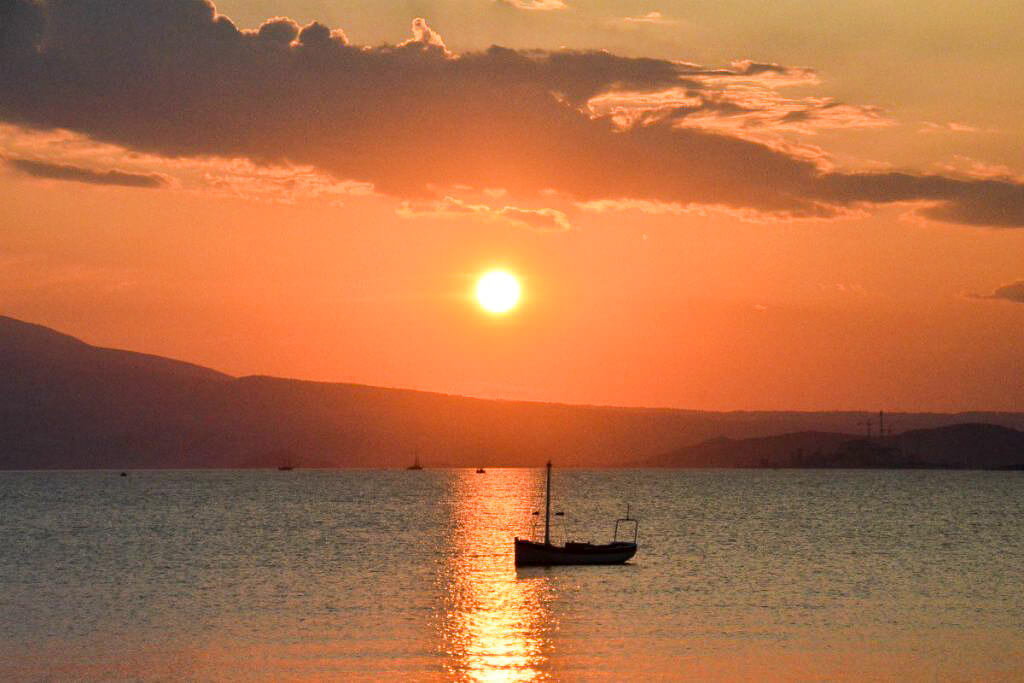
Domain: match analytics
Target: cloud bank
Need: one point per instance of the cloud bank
(176, 79)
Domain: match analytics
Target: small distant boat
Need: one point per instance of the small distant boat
(534, 554)
(415, 464)
(285, 468)
(480, 470)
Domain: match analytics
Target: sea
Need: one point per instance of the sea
(371, 575)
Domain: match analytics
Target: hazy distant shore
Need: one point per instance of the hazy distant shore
(65, 404)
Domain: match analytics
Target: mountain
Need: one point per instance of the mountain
(67, 404)
(958, 446)
(966, 446)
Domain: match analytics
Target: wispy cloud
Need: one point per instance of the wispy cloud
(653, 17)
(414, 119)
(42, 169)
(541, 220)
(949, 126)
(534, 5)
(643, 206)
(238, 177)
(277, 184)
(974, 168)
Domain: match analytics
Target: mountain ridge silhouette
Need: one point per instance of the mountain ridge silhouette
(67, 404)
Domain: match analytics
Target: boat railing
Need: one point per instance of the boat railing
(624, 523)
(557, 530)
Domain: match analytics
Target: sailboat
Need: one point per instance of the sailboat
(415, 464)
(534, 554)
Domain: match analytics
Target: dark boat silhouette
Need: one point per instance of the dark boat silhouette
(285, 468)
(480, 470)
(415, 464)
(534, 554)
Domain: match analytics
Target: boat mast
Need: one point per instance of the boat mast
(547, 509)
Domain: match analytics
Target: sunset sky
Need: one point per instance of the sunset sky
(714, 205)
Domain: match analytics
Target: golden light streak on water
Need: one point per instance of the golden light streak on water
(496, 625)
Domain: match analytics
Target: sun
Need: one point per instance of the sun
(497, 291)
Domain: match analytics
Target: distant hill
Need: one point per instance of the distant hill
(779, 450)
(966, 446)
(960, 446)
(67, 404)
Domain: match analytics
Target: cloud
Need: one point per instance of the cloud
(40, 169)
(654, 17)
(276, 184)
(175, 79)
(534, 5)
(973, 168)
(994, 203)
(643, 206)
(951, 126)
(227, 177)
(540, 220)
(543, 220)
(754, 113)
(1012, 292)
(424, 37)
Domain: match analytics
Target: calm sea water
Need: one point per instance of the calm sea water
(370, 575)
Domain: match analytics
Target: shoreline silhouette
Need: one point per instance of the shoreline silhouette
(69, 405)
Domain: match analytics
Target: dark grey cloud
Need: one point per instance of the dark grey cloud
(995, 203)
(1012, 292)
(41, 169)
(174, 78)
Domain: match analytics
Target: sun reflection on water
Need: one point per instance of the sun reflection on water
(494, 624)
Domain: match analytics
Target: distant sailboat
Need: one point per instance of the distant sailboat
(534, 554)
(415, 464)
(285, 459)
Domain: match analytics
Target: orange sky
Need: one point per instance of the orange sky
(770, 213)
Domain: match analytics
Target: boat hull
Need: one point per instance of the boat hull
(532, 554)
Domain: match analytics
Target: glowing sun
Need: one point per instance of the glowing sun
(497, 291)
